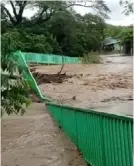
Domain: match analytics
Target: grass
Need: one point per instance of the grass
(91, 58)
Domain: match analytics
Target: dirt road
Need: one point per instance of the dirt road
(35, 140)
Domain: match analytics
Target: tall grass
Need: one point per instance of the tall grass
(91, 58)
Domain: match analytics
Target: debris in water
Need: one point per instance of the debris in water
(74, 97)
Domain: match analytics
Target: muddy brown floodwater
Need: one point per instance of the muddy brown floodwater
(35, 140)
(104, 87)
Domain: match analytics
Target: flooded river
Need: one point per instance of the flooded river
(35, 140)
(102, 87)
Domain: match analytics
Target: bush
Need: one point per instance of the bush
(92, 57)
(14, 89)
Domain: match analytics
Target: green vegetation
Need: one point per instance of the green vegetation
(14, 89)
(56, 28)
(91, 57)
(114, 31)
(126, 38)
(126, 34)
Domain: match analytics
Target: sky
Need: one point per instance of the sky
(116, 16)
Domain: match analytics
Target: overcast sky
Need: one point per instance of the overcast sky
(116, 16)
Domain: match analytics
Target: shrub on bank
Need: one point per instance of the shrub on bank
(91, 58)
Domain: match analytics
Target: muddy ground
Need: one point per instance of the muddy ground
(35, 140)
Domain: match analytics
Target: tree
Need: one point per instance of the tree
(128, 6)
(65, 33)
(113, 30)
(18, 9)
(126, 34)
(95, 26)
(46, 9)
(126, 38)
(14, 89)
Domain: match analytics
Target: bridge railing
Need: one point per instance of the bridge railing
(49, 58)
(104, 139)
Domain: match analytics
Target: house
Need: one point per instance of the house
(111, 44)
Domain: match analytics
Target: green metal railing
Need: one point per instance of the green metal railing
(24, 58)
(29, 77)
(49, 58)
(104, 139)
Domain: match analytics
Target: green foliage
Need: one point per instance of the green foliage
(29, 42)
(47, 9)
(126, 34)
(38, 43)
(92, 57)
(56, 27)
(14, 90)
(14, 95)
(113, 31)
(66, 33)
(77, 34)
